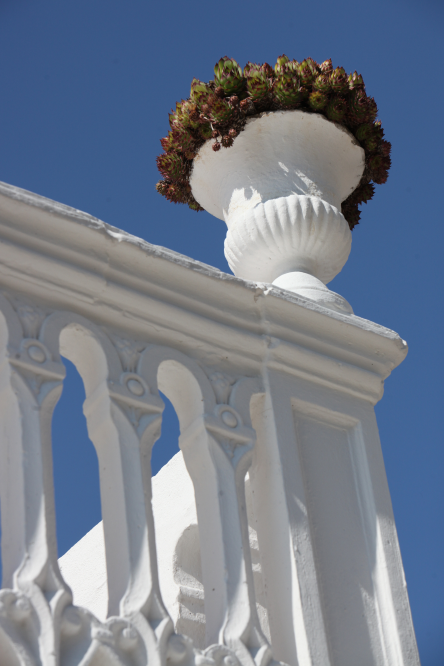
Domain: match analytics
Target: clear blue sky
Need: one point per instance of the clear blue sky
(86, 86)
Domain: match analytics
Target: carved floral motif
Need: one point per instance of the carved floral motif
(129, 351)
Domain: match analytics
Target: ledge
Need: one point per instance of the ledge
(59, 255)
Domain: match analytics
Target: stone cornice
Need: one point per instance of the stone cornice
(61, 255)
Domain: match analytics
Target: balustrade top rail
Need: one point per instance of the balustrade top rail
(71, 258)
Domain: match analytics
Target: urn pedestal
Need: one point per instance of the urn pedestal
(279, 189)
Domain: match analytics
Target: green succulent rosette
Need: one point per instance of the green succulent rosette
(218, 110)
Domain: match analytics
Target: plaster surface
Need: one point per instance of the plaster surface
(178, 550)
(278, 154)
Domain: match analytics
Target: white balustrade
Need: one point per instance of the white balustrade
(263, 381)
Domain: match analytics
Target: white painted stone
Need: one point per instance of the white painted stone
(279, 188)
(275, 397)
(178, 551)
(84, 570)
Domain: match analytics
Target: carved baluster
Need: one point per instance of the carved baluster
(124, 421)
(217, 441)
(30, 384)
(218, 452)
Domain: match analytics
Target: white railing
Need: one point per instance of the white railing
(263, 382)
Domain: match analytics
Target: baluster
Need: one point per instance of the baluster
(217, 441)
(30, 384)
(124, 421)
(229, 439)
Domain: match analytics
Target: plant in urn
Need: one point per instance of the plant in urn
(305, 149)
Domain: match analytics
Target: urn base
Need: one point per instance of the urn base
(308, 286)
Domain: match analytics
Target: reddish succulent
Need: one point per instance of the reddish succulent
(336, 109)
(167, 142)
(317, 100)
(220, 110)
(308, 70)
(258, 84)
(386, 147)
(281, 63)
(358, 107)
(352, 214)
(171, 166)
(363, 132)
(339, 80)
(183, 141)
(199, 91)
(326, 67)
(228, 76)
(205, 131)
(227, 141)
(362, 194)
(286, 88)
(322, 83)
(355, 80)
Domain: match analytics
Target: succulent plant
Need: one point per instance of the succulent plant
(162, 187)
(268, 69)
(286, 89)
(363, 132)
(358, 107)
(188, 114)
(293, 65)
(205, 131)
(317, 100)
(218, 110)
(386, 147)
(171, 166)
(177, 194)
(336, 109)
(167, 142)
(339, 80)
(308, 70)
(227, 141)
(372, 143)
(194, 205)
(199, 91)
(281, 63)
(381, 177)
(352, 214)
(378, 164)
(362, 194)
(355, 80)
(326, 67)
(228, 75)
(322, 83)
(183, 141)
(372, 108)
(258, 84)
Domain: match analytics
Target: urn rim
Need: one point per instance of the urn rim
(319, 158)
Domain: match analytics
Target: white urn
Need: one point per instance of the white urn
(279, 189)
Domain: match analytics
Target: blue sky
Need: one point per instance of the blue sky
(86, 87)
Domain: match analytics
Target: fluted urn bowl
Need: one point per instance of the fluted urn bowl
(279, 189)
